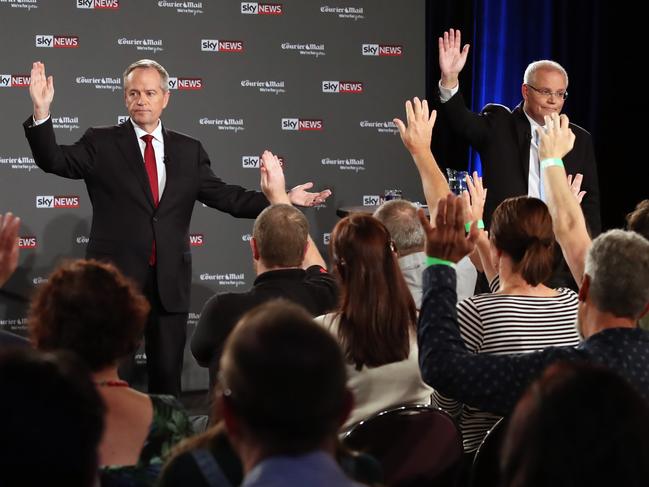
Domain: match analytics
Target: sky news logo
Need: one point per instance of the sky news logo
(252, 162)
(27, 242)
(326, 238)
(381, 50)
(302, 124)
(58, 41)
(371, 200)
(14, 80)
(68, 201)
(215, 45)
(342, 87)
(122, 118)
(185, 83)
(256, 8)
(196, 239)
(98, 4)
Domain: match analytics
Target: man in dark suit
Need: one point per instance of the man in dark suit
(143, 181)
(506, 139)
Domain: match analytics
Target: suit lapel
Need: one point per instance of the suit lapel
(523, 136)
(170, 161)
(128, 145)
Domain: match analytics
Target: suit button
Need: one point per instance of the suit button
(155, 219)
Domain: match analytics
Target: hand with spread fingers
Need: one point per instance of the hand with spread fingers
(449, 240)
(451, 58)
(41, 91)
(417, 134)
(557, 139)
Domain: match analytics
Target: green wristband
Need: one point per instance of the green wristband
(551, 161)
(467, 225)
(435, 261)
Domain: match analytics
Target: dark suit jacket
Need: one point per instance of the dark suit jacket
(502, 137)
(125, 220)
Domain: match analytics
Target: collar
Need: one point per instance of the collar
(277, 274)
(157, 132)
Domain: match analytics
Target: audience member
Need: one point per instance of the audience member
(288, 265)
(577, 426)
(375, 323)
(92, 309)
(52, 420)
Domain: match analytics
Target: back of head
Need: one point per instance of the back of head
(401, 220)
(578, 425)
(544, 64)
(377, 312)
(638, 219)
(522, 228)
(52, 420)
(88, 307)
(285, 378)
(618, 266)
(281, 233)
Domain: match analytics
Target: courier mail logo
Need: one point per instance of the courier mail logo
(342, 87)
(58, 41)
(381, 50)
(256, 8)
(185, 83)
(14, 80)
(196, 239)
(28, 242)
(67, 201)
(302, 124)
(98, 4)
(215, 45)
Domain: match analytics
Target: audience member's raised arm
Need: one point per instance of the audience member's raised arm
(416, 137)
(567, 218)
(9, 225)
(475, 200)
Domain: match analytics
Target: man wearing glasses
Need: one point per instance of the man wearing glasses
(507, 140)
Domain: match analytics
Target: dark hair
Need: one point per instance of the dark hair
(52, 420)
(638, 219)
(578, 425)
(281, 232)
(522, 228)
(285, 377)
(377, 312)
(91, 308)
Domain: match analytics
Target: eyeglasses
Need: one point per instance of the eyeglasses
(547, 93)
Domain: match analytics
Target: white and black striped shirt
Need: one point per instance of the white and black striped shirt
(502, 324)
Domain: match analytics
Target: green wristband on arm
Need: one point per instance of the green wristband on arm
(551, 161)
(435, 261)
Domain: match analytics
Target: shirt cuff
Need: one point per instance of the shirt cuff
(445, 94)
(36, 123)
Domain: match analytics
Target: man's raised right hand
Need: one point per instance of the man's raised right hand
(41, 91)
(451, 58)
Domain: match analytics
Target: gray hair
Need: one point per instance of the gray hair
(149, 63)
(618, 266)
(532, 68)
(400, 218)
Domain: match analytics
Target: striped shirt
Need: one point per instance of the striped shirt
(503, 324)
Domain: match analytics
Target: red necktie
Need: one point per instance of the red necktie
(152, 172)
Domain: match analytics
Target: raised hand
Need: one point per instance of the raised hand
(575, 186)
(417, 135)
(9, 225)
(41, 91)
(448, 240)
(272, 183)
(475, 197)
(451, 58)
(557, 139)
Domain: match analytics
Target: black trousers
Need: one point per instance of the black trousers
(164, 336)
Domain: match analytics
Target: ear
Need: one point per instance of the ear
(165, 98)
(585, 287)
(348, 406)
(253, 247)
(524, 91)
